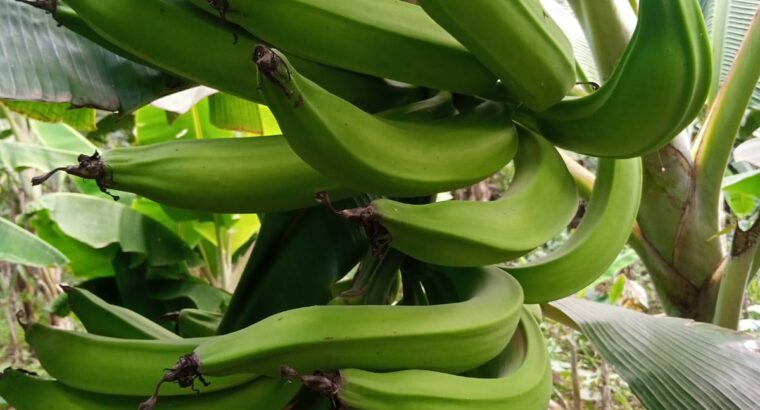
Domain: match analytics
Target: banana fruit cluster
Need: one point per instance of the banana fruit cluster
(395, 102)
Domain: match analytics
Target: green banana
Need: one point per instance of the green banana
(540, 202)
(102, 318)
(517, 41)
(200, 48)
(197, 323)
(25, 391)
(522, 381)
(452, 337)
(603, 232)
(658, 86)
(384, 38)
(235, 175)
(110, 365)
(379, 155)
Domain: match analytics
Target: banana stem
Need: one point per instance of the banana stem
(716, 138)
(735, 277)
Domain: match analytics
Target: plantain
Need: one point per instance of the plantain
(102, 318)
(378, 155)
(522, 379)
(110, 365)
(517, 41)
(451, 337)
(234, 175)
(539, 203)
(657, 87)
(25, 391)
(178, 38)
(384, 38)
(592, 248)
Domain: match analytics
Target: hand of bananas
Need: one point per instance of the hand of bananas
(486, 86)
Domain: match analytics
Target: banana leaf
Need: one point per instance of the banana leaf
(20, 246)
(297, 257)
(40, 61)
(670, 363)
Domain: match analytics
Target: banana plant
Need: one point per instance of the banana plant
(364, 285)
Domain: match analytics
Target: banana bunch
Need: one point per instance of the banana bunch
(383, 105)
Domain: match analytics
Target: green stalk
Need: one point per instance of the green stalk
(735, 277)
(716, 138)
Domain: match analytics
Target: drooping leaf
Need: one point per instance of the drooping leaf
(17, 245)
(40, 61)
(747, 183)
(240, 231)
(85, 262)
(189, 293)
(101, 222)
(670, 363)
(154, 210)
(80, 118)
(743, 205)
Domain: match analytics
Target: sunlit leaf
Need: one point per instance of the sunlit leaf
(81, 118)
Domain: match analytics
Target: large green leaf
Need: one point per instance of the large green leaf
(728, 22)
(19, 246)
(561, 13)
(670, 363)
(40, 61)
(102, 222)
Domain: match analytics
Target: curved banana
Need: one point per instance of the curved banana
(25, 391)
(199, 47)
(378, 155)
(233, 175)
(113, 366)
(597, 241)
(540, 202)
(522, 380)
(102, 318)
(517, 41)
(198, 323)
(451, 337)
(384, 38)
(657, 87)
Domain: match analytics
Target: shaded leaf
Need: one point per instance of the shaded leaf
(81, 118)
(40, 61)
(189, 293)
(85, 262)
(20, 246)
(670, 363)
(750, 125)
(101, 222)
